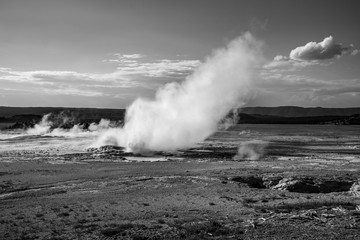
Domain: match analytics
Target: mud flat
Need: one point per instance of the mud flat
(305, 185)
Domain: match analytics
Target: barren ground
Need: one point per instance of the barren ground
(303, 187)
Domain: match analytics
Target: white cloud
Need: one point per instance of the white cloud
(160, 68)
(125, 58)
(46, 77)
(327, 49)
(131, 73)
(134, 64)
(310, 55)
(132, 56)
(303, 89)
(279, 58)
(72, 91)
(354, 52)
(283, 63)
(338, 91)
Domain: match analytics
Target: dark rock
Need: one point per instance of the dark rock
(111, 148)
(272, 180)
(107, 149)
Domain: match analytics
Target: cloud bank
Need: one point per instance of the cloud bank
(134, 75)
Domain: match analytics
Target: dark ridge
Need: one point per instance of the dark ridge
(283, 111)
(24, 117)
(292, 111)
(332, 120)
(89, 113)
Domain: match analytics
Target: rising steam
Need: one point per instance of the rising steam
(251, 150)
(184, 114)
(63, 125)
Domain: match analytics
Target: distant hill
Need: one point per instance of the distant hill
(28, 116)
(332, 120)
(85, 113)
(291, 111)
(116, 114)
(25, 117)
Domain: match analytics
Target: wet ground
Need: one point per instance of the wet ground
(287, 182)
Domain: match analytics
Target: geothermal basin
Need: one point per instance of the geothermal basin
(248, 182)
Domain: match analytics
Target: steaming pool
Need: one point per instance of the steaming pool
(277, 141)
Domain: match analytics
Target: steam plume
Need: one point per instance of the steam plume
(251, 150)
(62, 125)
(184, 114)
(42, 127)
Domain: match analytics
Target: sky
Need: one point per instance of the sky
(105, 54)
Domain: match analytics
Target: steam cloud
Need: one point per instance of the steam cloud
(184, 114)
(63, 125)
(42, 127)
(251, 150)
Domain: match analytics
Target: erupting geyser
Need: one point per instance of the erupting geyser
(186, 113)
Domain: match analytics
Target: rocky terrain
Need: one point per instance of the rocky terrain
(305, 185)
